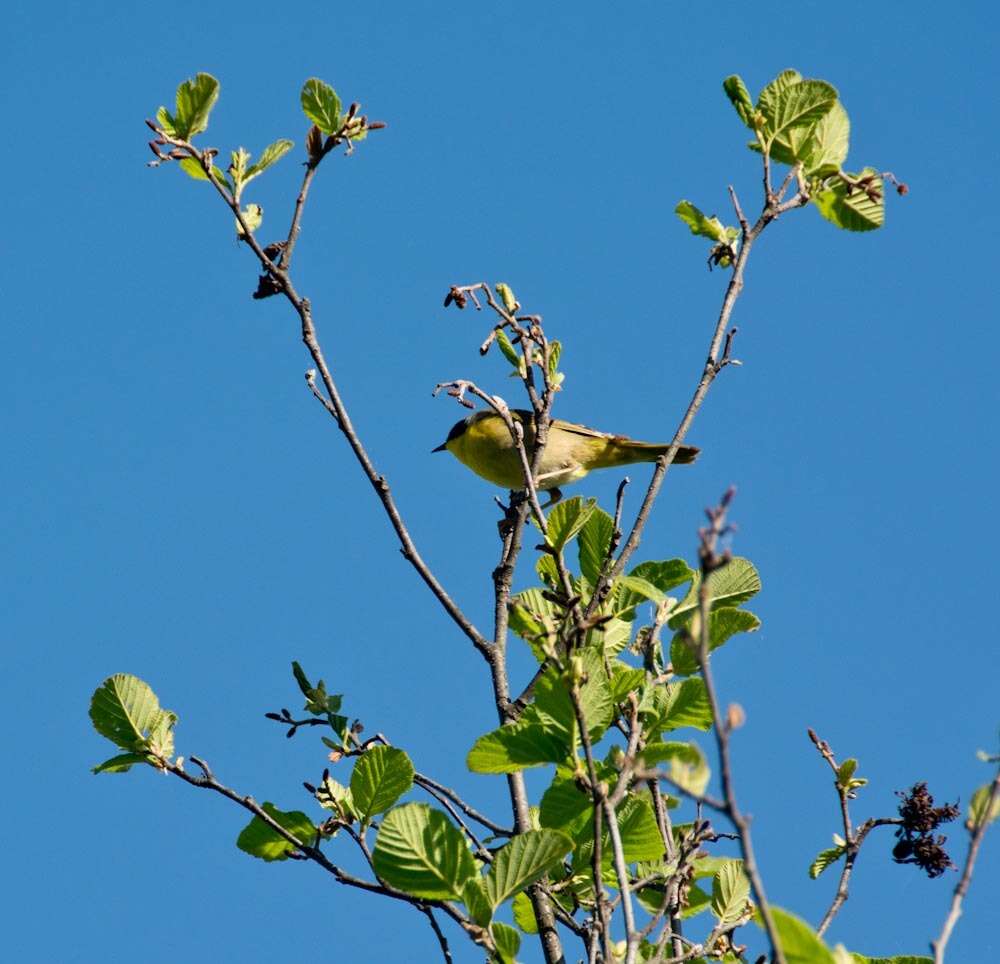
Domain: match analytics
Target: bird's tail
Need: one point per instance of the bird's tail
(624, 451)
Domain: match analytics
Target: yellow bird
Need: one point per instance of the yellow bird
(483, 443)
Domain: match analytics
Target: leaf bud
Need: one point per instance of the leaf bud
(735, 716)
(507, 296)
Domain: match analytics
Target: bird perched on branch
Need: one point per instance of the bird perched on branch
(484, 444)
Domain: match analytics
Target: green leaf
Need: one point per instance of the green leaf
(381, 776)
(791, 112)
(696, 900)
(555, 353)
(705, 227)
(271, 154)
(260, 840)
(513, 748)
(476, 902)
(624, 680)
(564, 805)
(507, 297)
(321, 105)
(978, 806)
(688, 767)
(798, 939)
(566, 520)
(523, 861)
(334, 796)
(506, 940)
(708, 866)
(640, 833)
(677, 704)
(593, 544)
(854, 210)
(524, 914)
(301, 679)
(126, 711)
(826, 149)
(723, 624)
(665, 575)
(734, 583)
(419, 851)
(774, 90)
(730, 892)
(192, 167)
(253, 215)
(240, 159)
(166, 122)
(121, 763)
(534, 618)
(553, 703)
(548, 571)
(508, 350)
(195, 99)
(318, 701)
(739, 97)
(824, 859)
(637, 586)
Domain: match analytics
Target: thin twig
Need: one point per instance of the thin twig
(852, 839)
(598, 795)
(208, 781)
(432, 785)
(711, 560)
(962, 887)
(335, 405)
(442, 940)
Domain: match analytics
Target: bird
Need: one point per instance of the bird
(483, 443)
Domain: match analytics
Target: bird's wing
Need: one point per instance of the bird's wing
(583, 430)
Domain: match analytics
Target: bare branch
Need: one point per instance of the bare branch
(710, 561)
(962, 887)
(334, 404)
(208, 781)
(853, 839)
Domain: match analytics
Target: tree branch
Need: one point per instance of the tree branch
(711, 560)
(853, 841)
(962, 887)
(207, 781)
(334, 404)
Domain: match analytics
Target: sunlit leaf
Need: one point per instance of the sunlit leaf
(260, 840)
(730, 892)
(381, 776)
(521, 862)
(321, 105)
(419, 851)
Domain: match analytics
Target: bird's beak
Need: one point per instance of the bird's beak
(443, 447)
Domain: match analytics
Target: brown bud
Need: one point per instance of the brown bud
(376, 125)
(735, 716)
(902, 188)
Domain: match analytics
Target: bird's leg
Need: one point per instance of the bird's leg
(554, 496)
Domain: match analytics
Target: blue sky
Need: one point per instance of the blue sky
(178, 507)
